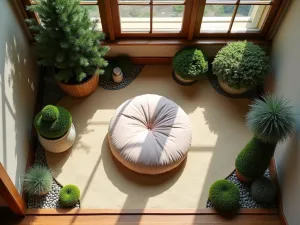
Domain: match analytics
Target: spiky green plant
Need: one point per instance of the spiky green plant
(225, 196)
(69, 195)
(263, 190)
(38, 180)
(271, 119)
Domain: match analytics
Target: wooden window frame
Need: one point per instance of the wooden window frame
(191, 23)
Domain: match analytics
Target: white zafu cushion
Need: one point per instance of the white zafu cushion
(150, 134)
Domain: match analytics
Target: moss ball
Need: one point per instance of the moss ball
(190, 64)
(263, 190)
(69, 195)
(53, 122)
(225, 196)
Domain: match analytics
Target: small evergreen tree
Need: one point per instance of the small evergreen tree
(66, 38)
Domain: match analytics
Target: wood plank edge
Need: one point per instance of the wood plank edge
(46, 212)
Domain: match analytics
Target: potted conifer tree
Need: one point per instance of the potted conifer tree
(66, 39)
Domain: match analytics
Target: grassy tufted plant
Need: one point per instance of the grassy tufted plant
(38, 180)
(225, 196)
(69, 195)
(53, 122)
(190, 63)
(255, 158)
(263, 190)
(271, 119)
(241, 65)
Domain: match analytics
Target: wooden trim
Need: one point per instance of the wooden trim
(109, 19)
(278, 19)
(10, 194)
(274, 178)
(186, 20)
(103, 16)
(151, 16)
(151, 60)
(144, 212)
(199, 17)
(233, 16)
(183, 42)
(117, 19)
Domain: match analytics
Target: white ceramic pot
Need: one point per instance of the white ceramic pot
(59, 145)
(232, 91)
(183, 80)
(117, 75)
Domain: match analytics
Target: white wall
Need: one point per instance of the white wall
(17, 93)
(286, 60)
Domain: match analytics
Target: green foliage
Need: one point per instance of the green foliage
(177, 9)
(38, 180)
(254, 159)
(241, 65)
(53, 122)
(225, 196)
(69, 195)
(271, 119)
(263, 190)
(190, 63)
(67, 39)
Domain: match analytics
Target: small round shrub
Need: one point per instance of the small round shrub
(190, 63)
(271, 119)
(69, 195)
(38, 180)
(225, 196)
(254, 159)
(263, 190)
(241, 65)
(53, 121)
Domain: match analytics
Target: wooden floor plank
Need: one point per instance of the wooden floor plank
(149, 220)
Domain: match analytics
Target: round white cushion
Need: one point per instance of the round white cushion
(150, 134)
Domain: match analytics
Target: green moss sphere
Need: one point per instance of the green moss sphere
(254, 159)
(225, 196)
(53, 122)
(190, 64)
(69, 195)
(263, 190)
(241, 64)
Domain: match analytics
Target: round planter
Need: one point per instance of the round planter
(183, 80)
(80, 90)
(241, 178)
(59, 145)
(230, 90)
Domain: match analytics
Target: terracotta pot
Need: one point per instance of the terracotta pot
(80, 90)
(232, 91)
(241, 177)
(59, 145)
(183, 80)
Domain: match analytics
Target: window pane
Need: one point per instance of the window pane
(135, 18)
(167, 18)
(177, 1)
(250, 18)
(217, 18)
(94, 15)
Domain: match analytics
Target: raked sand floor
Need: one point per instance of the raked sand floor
(219, 133)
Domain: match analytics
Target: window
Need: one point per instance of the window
(189, 19)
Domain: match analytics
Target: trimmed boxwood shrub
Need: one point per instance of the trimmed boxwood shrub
(69, 195)
(263, 190)
(53, 122)
(241, 65)
(254, 159)
(190, 64)
(225, 196)
(271, 119)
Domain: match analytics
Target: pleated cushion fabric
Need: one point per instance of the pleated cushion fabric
(150, 134)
